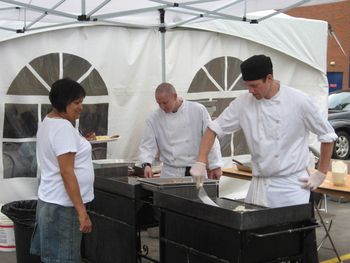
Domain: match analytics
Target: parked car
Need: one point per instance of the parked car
(339, 117)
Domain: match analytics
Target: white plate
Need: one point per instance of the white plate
(106, 139)
(111, 161)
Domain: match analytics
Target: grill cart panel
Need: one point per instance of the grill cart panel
(191, 231)
(120, 209)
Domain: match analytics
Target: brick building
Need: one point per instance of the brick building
(338, 17)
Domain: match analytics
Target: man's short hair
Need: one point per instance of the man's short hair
(165, 87)
(256, 67)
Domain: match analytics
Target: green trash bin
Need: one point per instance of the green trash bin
(22, 213)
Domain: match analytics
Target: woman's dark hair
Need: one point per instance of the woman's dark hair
(63, 92)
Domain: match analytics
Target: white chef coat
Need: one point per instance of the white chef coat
(176, 137)
(277, 132)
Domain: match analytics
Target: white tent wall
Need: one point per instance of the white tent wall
(129, 62)
(297, 46)
(186, 56)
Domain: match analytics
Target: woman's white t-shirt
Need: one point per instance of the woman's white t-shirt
(54, 138)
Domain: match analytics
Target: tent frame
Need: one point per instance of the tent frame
(186, 8)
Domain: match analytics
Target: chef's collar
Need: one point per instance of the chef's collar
(181, 103)
(276, 97)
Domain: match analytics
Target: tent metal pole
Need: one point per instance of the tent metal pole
(83, 7)
(222, 15)
(115, 23)
(162, 35)
(78, 23)
(98, 8)
(162, 31)
(43, 15)
(8, 29)
(245, 11)
(197, 2)
(54, 26)
(8, 8)
(331, 32)
(130, 12)
(202, 15)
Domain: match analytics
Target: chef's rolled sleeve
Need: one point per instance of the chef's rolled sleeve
(327, 138)
(317, 123)
(215, 127)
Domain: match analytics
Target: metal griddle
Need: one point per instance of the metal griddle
(225, 214)
(156, 184)
(191, 231)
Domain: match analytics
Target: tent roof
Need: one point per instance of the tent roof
(232, 17)
(141, 13)
(294, 37)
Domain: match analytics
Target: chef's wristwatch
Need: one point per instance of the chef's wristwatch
(146, 164)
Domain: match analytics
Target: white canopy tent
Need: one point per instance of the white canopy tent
(145, 13)
(30, 15)
(121, 65)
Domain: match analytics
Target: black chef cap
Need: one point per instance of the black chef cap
(256, 67)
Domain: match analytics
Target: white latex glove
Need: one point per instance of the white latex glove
(199, 172)
(314, 180)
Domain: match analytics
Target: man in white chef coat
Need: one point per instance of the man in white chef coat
(276, 121)
(174, 131)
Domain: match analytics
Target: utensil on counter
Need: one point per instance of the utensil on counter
(241, 166)
(202, 194)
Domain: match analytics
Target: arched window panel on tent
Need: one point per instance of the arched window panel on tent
(219, 76)
(74, 67)
(21, 120)
(37, 77)
(26, 83)
(47, 67)
(94, 118)
(94, 84)
(18, 148)
(45, 109)
(19, 159)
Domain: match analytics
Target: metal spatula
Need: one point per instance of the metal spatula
(203, 196)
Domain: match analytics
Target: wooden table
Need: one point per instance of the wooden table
(326, 188)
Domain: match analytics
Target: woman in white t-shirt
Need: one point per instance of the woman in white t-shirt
(67, 177)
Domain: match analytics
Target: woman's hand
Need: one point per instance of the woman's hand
(90, 136)
(85, 223)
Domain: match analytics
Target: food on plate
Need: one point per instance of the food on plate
(105, 137)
